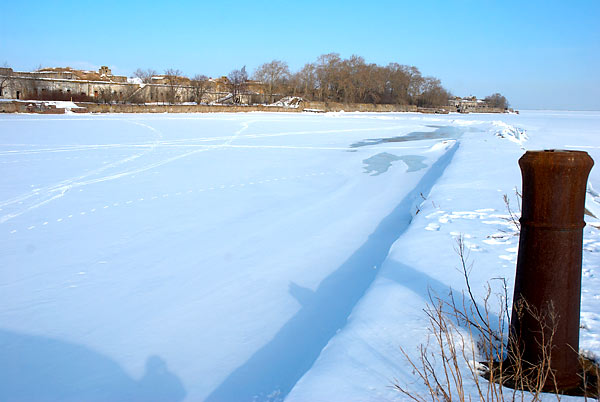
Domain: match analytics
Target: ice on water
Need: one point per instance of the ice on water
(252, 256)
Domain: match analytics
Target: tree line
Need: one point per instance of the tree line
(352, 80)
(331, 78)
(496, 100)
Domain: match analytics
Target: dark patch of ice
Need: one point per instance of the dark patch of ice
(381, 163)
(442, 132)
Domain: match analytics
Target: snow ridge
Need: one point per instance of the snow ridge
(509, 132)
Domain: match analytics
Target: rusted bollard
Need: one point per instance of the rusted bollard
(548, 278)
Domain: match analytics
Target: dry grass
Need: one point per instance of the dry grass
(468, 344)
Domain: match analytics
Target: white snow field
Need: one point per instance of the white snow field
(255, 256)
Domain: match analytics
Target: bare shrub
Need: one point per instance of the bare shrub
(472, 343)
(513, 216)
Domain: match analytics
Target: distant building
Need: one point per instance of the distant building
(71, 83)
(469, 104)
(102, 86)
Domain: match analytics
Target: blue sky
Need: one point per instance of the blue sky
(539, 54)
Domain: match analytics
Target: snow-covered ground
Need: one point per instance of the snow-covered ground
(255, 256)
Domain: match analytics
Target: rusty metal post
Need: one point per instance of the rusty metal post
(548, 278)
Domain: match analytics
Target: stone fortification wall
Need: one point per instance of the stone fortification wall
(33, 107)
(27, 107)
(10, 107)
(357, 107)
(487, 109)
(124, 108)
(311, 106)
(26, 86)
(34, 87)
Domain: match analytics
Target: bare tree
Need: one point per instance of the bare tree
(327, 71)
(238, 80)
(273, 75)
(108, 95)
(496, 100)
(351, 80)
(144, 75)
(6, 74)
(432, 93)
(174, 79)
(366, 83)
(415, 83)
(304, 82)
(397, 82)
(200, 85)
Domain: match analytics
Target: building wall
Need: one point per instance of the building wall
(105, 87)
(27, 87)
(159, 108)
(469, 105)
(24, 85)
(312, 106)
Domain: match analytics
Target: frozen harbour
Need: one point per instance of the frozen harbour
(258, 256)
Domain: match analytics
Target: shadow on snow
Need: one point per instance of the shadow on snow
(274, 369)
(35, 368)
